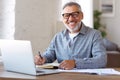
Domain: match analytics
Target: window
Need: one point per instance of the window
(7, 19)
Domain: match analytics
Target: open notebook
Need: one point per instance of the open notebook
(48, 66)
(17, 56)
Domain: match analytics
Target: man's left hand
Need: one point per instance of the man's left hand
(67, 64)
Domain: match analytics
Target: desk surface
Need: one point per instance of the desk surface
(4, 75)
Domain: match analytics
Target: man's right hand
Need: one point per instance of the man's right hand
(39, 60)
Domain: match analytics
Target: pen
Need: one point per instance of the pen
(90, 73)
(40, 54)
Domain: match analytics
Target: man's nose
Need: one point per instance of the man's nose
(71, 17)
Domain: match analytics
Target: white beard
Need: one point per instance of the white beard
(75, 28)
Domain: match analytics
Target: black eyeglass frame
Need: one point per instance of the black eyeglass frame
(73, 14)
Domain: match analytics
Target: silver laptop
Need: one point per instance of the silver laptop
(17, 56)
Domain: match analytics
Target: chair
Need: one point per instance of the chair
(113, 53)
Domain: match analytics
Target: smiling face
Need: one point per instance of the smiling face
(72, 17)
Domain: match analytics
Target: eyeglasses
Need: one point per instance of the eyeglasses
(73, 14)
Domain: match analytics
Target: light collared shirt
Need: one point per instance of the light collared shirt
(87, 48)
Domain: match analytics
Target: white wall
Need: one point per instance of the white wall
(87, 8)
(112, 23)
(35, 21)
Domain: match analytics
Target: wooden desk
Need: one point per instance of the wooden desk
(4, 75)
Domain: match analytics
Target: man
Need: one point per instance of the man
(77, 46)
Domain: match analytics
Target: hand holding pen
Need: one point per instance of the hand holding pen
(39, 60)
(40, 55)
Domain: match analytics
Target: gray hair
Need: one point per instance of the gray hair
(71, 4)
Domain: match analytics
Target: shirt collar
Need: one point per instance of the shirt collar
(83, 28)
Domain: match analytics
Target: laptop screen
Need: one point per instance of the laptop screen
(17, 56)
